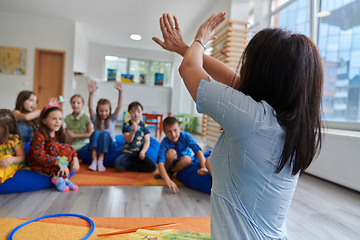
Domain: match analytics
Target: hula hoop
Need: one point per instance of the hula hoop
(11, 234)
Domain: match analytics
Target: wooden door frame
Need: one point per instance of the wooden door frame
(36, 70)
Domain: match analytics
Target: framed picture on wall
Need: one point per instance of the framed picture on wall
(13, 60)
(159, 79)
(127, 78)
(111, 76)
(142, 78)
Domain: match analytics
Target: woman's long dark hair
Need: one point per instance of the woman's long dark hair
(285, 70)
(45, 130)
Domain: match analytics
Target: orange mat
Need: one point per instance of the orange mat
(75, 228)
(111, 177)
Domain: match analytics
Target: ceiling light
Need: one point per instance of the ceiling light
(135, 37)
(323, 14)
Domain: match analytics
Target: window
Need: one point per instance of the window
(340, 47)
(295, 16)
(143, 70)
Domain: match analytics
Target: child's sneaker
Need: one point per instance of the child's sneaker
(60, 184)
(72, 186)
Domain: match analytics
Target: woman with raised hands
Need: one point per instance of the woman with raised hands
(270, 112)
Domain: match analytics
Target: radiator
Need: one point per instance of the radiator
(339, 159)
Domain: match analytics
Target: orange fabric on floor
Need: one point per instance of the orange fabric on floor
(63, 228)
(111, 177)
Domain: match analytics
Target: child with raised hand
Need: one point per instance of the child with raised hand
(49, 154)
(78, 125)
(102, 140)
(26, 114)
(174, 153)
(137, 142)
(11, 146)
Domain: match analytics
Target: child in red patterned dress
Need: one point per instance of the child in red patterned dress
(49, 154)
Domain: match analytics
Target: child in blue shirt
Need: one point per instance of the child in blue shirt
(174, 153)
(137, 142)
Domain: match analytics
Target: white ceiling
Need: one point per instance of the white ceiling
(111, 22)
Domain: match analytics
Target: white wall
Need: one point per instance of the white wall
(339, 159)
(23, 31)
(81, 50)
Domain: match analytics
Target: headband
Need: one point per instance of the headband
(48, 107)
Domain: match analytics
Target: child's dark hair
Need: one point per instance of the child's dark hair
(77, 95)
(102, 101)
(19, 105)
(169, 121)
(45, 130)
(135, 104)
(9, 125)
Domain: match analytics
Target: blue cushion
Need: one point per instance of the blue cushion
(26, 181)
(190, 178)
(85, 154)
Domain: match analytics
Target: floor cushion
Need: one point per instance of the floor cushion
(85, 154)
(190, 178)
(26, 180)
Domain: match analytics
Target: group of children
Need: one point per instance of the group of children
(53, 150)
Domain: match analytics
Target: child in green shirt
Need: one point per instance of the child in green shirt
(78, 125)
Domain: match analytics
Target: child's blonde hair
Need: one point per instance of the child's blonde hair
(102, 101)
(77, 95)
(9, 125)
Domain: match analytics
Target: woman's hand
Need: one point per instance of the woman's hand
(173, 40)
(118, 86)
(92, 86)
(206, 29)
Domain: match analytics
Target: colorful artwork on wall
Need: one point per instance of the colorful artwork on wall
(159, 78)
(142, 78)
(13, 60)
(111, 76)
(127, 78)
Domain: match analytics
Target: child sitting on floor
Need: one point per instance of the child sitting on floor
(49, 154)
(102, 140)
(174, 153)
(137, 142)
(26, 115)
(12, 152)
(78, 125)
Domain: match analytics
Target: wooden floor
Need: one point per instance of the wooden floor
(319, 210)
